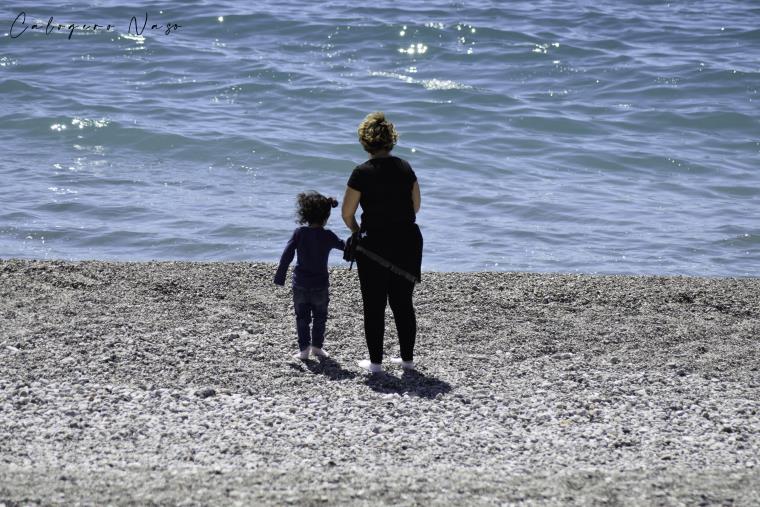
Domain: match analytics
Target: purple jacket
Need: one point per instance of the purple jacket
(313, 245)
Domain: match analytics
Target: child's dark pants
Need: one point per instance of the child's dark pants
(311, 308)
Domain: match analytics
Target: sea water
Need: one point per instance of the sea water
(568, 136)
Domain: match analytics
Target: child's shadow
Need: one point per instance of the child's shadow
(326, 366)
(412, 382)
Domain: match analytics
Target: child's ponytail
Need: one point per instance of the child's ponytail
(314, 208)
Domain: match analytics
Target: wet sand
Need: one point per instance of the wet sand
(173, 383)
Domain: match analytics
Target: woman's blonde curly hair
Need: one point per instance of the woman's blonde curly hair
(376, 133)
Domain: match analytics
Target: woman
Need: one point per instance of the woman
(390, 253)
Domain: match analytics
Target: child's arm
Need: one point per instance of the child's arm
(285, 260)
(336, 241)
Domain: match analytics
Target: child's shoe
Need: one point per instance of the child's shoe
(319, 352)
(407, 365)
(370, 366)
(302, 355)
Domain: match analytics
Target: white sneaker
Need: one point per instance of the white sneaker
(304, 354)
(319, 352)
(407, 365)
(370, 366)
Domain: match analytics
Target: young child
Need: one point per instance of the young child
(313, 243)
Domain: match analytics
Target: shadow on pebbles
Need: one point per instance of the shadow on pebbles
(173, 383)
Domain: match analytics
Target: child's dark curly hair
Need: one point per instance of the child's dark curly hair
(314, 208)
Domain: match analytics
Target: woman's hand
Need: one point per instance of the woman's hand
(350, 205)
(416, 199)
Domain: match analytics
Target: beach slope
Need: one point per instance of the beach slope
(172, 383)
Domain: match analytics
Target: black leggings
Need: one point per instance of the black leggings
(379, 286)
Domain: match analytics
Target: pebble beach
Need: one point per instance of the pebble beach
(172, 383)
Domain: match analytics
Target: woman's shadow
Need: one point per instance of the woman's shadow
(326, 366)
(411, 382)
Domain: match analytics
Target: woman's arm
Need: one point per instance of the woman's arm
(416, 200)
(348, 211)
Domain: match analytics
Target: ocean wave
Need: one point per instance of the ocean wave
(428, 84)
(604, 137)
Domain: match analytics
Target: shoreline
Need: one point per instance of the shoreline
(172, 382)
(336, 265)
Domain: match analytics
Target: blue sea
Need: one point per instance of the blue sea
(551, 136)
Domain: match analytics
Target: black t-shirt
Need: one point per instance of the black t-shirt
(386, 187)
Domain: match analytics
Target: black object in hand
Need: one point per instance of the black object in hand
(349, 253)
